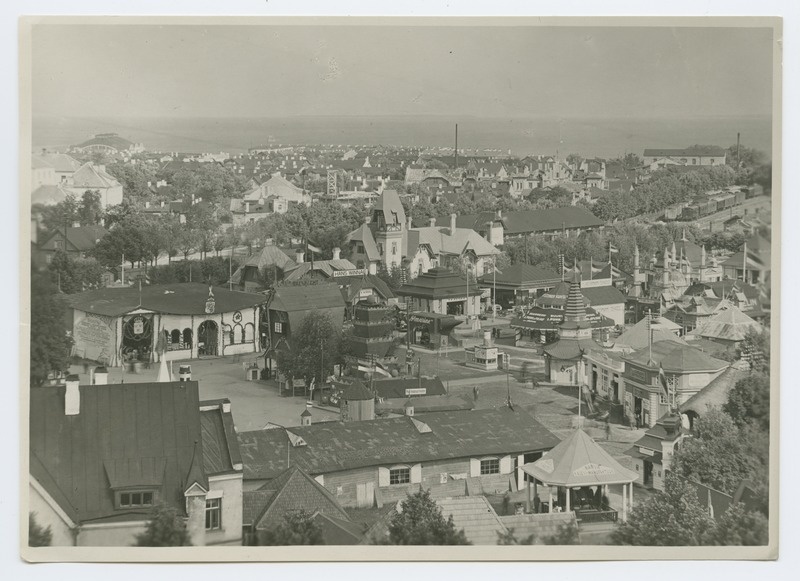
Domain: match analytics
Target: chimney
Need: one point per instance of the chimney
(100, 376)
(433, 222)
(185, 373)
(499, 214)
(337, 253)
(72, 396)
(300, 256)
(452, 224)
(305, 417)
(408, 223)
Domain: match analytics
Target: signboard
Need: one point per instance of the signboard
(364, 292)
(419, 319)
(210, 306)
(138, 326)
(352, 272)
(646, 452)
(592, 470)
(416, 391)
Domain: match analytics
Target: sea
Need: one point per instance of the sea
(601, 137)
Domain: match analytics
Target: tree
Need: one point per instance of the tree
(62, 215)
(509, 538)
(566, 534)
(165, 529)
(37, 535)
(73, 275)
(748, 402)
(721, 456)
(674, 517)
(50, 344)
(740, 527)
(316, 348)
(298, 528)
(90, 211)
(419, 521)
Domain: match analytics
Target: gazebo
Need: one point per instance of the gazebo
(581, 472)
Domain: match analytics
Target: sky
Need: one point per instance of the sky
(487, 71)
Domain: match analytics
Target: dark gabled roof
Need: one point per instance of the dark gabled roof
(338, 531)
(677, 358)
(81, 239)
(355, 284)
(306, 298)
(364, 235)
(335, 446)
(220, 447)
(522, 274)
(292, 490)
(396, 387)
(549, 220)
(127, 434)
(438, 283)
(603, 295)
(426, 404)
(187, 298)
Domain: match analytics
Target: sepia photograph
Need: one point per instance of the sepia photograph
(394, 286)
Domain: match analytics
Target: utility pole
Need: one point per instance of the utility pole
(455, 164)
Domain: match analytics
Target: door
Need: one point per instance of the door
(207, 338)
(365, 493)
(648, 473)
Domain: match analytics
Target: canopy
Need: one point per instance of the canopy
(578, 461)
(543, 319)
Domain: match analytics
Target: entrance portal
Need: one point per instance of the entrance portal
(648, 473)
(137, 338)
(207, 338)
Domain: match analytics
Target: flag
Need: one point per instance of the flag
(313, 248)
(379, 367)
(662, 377)
(612, 249)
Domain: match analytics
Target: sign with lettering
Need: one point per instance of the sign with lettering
(646, 452)
(592, 470)
(364, 293)
(419, 319)
(351, 272)
(416, 391)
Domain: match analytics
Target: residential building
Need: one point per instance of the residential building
(263, 269)
(758, 266)
(76, 241)
(95, 178)
(277, 193)
(370, 463)
(101, 491)
(695, 155)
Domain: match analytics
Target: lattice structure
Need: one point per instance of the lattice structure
(333, 182)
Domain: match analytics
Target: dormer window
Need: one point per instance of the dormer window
(135, 499)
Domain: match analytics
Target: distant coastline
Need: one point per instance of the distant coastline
(589, 137)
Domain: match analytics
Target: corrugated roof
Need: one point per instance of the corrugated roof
(522, 274)
(730, 324)
(603, 295)
(132, 429)
(636, 337)
(188, 298)
(335, 446)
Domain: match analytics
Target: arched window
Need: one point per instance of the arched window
(187, 338)
(175, 337)
(249, 332)
(227, 335)
(238, 334)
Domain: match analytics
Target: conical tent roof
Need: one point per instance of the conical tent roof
(578, 461)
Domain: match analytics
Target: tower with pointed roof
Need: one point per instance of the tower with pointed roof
(388, 227)
(564, 357)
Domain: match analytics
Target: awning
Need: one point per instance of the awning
(543, 319)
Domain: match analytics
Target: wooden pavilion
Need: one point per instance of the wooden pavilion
(581, 473)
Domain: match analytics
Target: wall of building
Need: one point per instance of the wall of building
(110, 535)
(47, 516)
(230, 487)
(615, 312)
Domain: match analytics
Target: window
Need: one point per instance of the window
(279, 327)
(135, 499)
(490, 466)
(213, 514)
(399, 475)
(394, 248)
